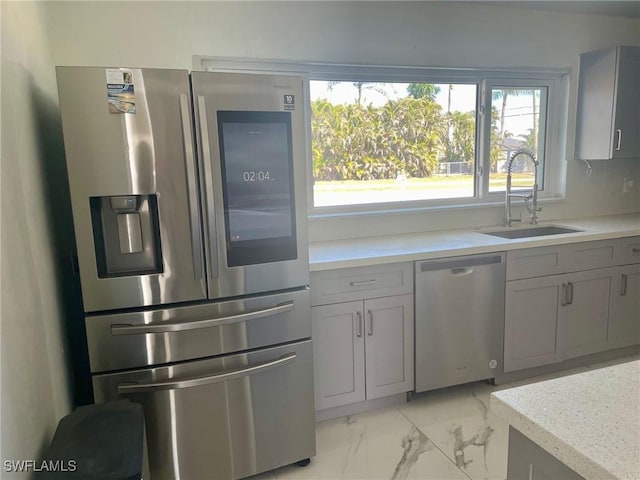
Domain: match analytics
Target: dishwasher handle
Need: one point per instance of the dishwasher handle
(461, 265)
(462, 271)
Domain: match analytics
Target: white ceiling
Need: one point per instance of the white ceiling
(628, 8)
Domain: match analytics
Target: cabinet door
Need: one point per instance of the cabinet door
(626, 128)
(624, 329)
(389, 345)
(338, 354)
(585, 312)
(531, 320)
(528, 461)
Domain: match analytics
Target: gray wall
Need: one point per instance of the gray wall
(35, 386)
(454, 34)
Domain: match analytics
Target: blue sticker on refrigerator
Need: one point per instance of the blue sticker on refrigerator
(121, 96)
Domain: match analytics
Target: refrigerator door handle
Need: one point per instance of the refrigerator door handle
(210, 213)
(192, 185)
(198, 381)
(197, 324)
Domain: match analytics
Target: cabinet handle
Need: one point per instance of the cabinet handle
(570, 291)
(563, 295)
(359, 331)
(635, 250)
(361, 283)
(370, 312)
(623, 285)
(619, 143)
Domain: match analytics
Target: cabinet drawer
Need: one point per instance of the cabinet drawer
(347, 284)
(629, 251)
(553, 260)
(533, 262)
(588, 255)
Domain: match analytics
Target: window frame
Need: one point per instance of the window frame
(556, 80)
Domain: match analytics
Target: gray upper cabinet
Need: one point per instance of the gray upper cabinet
(608, 117)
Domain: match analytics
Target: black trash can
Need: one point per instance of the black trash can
(97, 442)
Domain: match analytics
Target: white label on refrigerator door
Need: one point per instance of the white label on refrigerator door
(289, 102)
(121, 96)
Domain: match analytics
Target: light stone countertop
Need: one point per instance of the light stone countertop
(589, 421)
(358, 252)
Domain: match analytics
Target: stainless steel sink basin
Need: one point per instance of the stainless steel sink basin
(532, 232)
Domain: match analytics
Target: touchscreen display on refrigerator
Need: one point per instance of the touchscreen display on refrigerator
(257, 169)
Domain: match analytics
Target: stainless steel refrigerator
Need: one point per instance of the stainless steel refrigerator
(189, 207)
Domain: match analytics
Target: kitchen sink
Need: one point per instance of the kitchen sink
(532, 232)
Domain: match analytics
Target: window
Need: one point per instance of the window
(518, 119)
(397, 144)
(374, 142)
(397, 138)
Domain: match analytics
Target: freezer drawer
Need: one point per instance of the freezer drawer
(459, 319)
(140, 339)
(223, 418)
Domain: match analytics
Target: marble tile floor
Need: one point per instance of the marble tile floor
(447, 434)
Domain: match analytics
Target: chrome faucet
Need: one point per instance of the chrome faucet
(533, 209)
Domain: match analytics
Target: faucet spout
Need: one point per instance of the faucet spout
(532, 207)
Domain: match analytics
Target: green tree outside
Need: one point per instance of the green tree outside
(408, 136)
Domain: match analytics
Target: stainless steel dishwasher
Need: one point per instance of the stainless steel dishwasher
(459, 319)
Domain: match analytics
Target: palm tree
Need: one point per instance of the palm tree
(503, 93)
(534, 130)
(423, 90)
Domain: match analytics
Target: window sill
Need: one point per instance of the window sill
(342, 212)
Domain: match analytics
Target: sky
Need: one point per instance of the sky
(517, 119)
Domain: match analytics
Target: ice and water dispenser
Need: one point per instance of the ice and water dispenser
(126, 235)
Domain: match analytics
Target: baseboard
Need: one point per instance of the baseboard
(360, 407)
(567, 364)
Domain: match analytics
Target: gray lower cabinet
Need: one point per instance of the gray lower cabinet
(585, 312)
(532, 307)
(338, 354)
(625, 323)
(548, 319)
(389, 345)
(568, 301)
(362, 350)
(528, 461)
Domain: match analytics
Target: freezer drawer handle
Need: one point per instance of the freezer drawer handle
(209, 379)
(196, 324)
